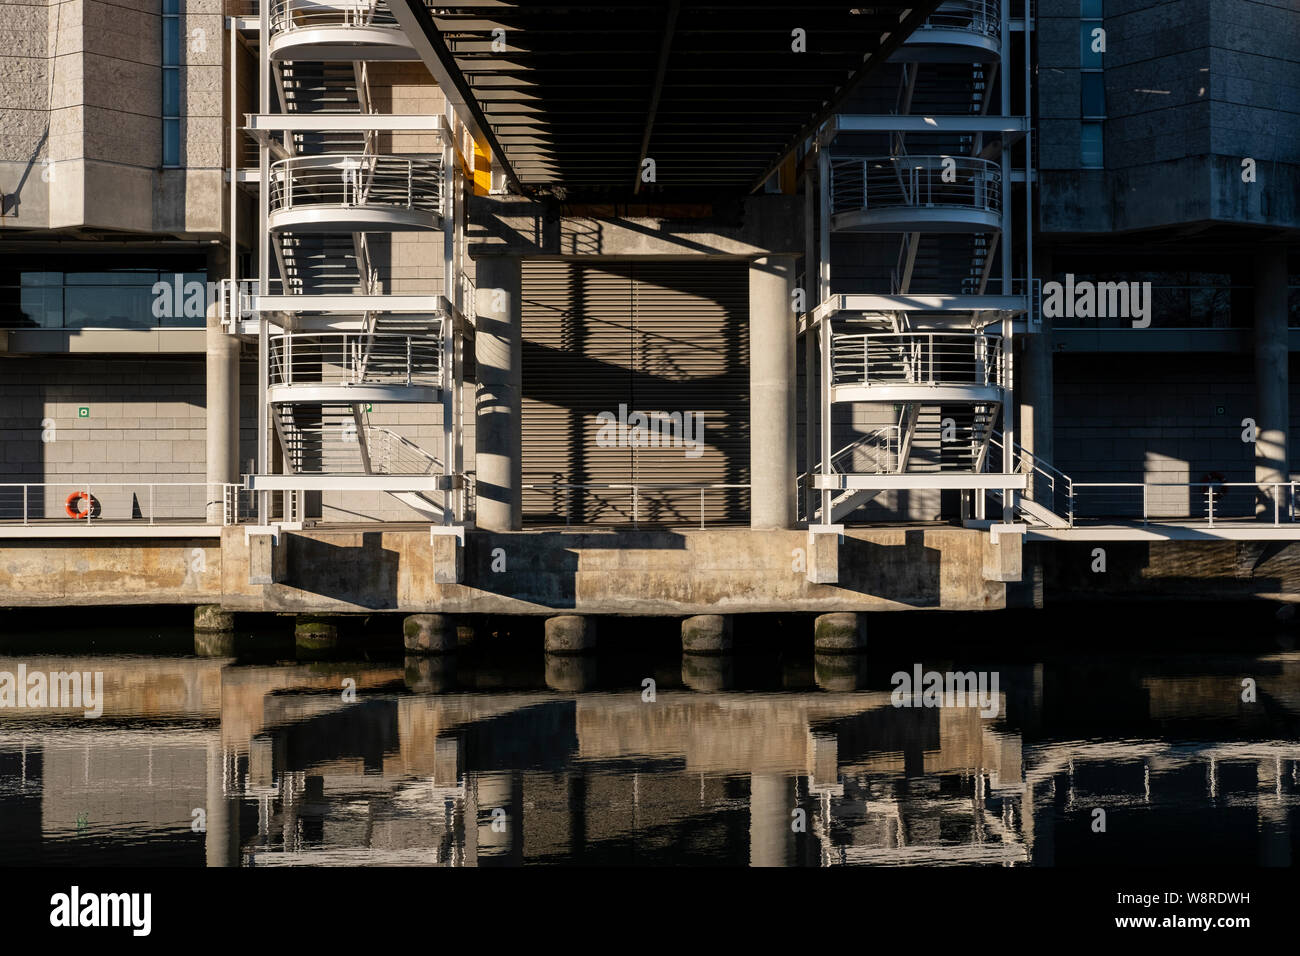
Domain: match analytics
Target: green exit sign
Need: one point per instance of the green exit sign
(83, 412)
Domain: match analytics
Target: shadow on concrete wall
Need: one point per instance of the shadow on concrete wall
(912, 569)
(364, 575)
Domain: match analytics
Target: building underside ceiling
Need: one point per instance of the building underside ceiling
(577, 97)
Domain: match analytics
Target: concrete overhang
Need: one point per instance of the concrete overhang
(100, 341)
(768, 225)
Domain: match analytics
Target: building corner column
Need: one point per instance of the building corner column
(222, 414)
(498, 349)
(771, 393)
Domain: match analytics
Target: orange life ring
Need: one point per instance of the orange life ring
(72, 505)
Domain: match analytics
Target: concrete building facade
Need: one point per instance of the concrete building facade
(1019, 268)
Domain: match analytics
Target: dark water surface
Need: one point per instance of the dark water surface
(500, 755)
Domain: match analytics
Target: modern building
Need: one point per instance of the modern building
(1022, 268)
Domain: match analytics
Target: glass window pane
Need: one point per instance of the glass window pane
(171, 41)
(41, 278)
(123, 276)
(171, 142)
(1088, 60)
(1087, 8)
(109, 307)
(1090, 146)
(1094, 94)
(174, 6)
(171, 93)
(36, 308)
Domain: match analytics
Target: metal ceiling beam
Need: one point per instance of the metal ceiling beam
(662, 68)
(422, 33)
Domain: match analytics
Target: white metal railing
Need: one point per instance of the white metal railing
(975, 16)
(639, 494)
(923, 182)
(300, 14)
(916, 358)
(355, 180)
(1207, 501)
(94, 502)
(1048, 485)
(357, 358)
(394, 454)
(236, 299)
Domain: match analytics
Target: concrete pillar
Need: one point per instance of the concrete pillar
(1036, 391)
(211, 617)
(214, 631)
(707, 634)
(222, 421)
(840, 633)
(1272, 385)
(570, 634)
(429, 633)
(498, 353)
(771, 393)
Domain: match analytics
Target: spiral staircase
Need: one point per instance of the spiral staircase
(918, 315)
(336, 345)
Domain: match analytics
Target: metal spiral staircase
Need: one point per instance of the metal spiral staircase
(914, 198)
(335, 344)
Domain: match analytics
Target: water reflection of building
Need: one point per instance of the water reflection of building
(288, 772)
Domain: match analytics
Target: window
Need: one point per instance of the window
(1093, 94)
(171, 83)
(1092, 85)
(105, 292)
(1090, 145)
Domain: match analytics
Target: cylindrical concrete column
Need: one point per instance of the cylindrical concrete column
(570, 634)
(429, 634)
(214, 631)
(707, 634)
(1272, 384)
(222, 422)
(840, 633)
(771, 393)
(497, 431)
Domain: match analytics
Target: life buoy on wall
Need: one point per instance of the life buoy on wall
(73, 505)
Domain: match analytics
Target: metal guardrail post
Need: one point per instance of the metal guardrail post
(1209, 494)
(1144, 504)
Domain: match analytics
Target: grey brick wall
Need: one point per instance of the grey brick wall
(145, 425)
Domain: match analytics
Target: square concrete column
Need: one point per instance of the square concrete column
(498, 348)
(1272, 385)
(771, 393)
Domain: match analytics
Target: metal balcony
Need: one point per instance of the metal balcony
(959, 31)
(328, 30)
(355, 193)
(926, 367)
(356, 366)
(915, 194)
